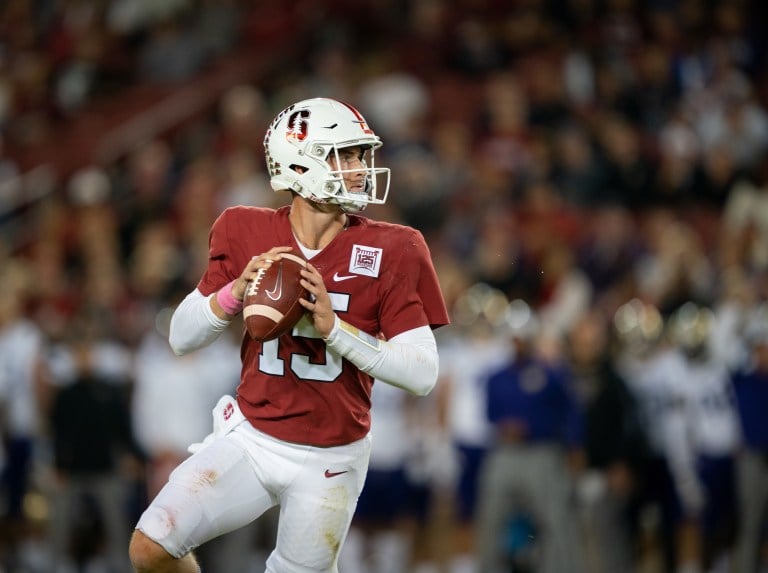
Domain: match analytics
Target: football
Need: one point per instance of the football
(271, 304)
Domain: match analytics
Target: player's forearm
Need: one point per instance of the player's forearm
(408, 361)
(194, 324)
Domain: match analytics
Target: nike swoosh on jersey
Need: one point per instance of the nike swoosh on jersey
(338, 278)
(277, 290)
(330, 474)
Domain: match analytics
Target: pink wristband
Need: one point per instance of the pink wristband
(227, 302)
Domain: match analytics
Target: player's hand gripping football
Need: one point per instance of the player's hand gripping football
(319, 308)
(262, 261)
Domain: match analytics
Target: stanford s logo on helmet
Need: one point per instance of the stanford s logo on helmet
(304, 136)
(297, 126)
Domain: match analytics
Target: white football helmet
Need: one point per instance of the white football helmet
(520, 321)
(690, 328)
(301, 140)
(639, 327)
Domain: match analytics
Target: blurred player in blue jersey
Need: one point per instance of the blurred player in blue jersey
(751, 387)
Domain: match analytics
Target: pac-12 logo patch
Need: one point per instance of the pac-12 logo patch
(365, 260)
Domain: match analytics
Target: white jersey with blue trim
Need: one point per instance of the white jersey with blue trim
(711, 409)
(390, 431)
(656, 382)
(465, 363)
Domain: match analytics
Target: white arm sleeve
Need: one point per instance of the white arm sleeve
(193, 324)
(408, 361)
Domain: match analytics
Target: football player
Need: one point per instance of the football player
(297, 433)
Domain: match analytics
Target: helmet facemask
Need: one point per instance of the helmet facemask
(373, 190)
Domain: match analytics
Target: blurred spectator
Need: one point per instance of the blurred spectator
(128, 16)
(535, 449)
(674, 268)
(94, 452)
(246, 183)
(21, 346)
(505, 136)
(83, 53)
(565, 293)
(474, 49)
(195, 204)
(542, 77)
(716, 176)
(744, 235)
(577, 172)
(155, 266)
(607, 252)
(738, 123)
(143, 189)
(10, 183)
(328, 66)
(628, 172)
(170, 53)
(217, 25)
(243, 116)
(451, 143)
(421, 196)
(397, 104)
(679, 149)
(614, 445)
(500, 256)
(654, 92)
(423, 30)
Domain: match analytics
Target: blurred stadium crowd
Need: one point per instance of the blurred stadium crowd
(591, 177)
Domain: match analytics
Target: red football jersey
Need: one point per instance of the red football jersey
(380, 278)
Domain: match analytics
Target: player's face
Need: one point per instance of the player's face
(351, 162)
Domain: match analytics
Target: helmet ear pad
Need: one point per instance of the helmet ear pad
(299, 142)
(310, 177)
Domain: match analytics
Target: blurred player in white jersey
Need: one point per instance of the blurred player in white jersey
(648, 366)
(474, 351)
(21, 347)
(711, 426)
(688, 403)
(379, 538)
